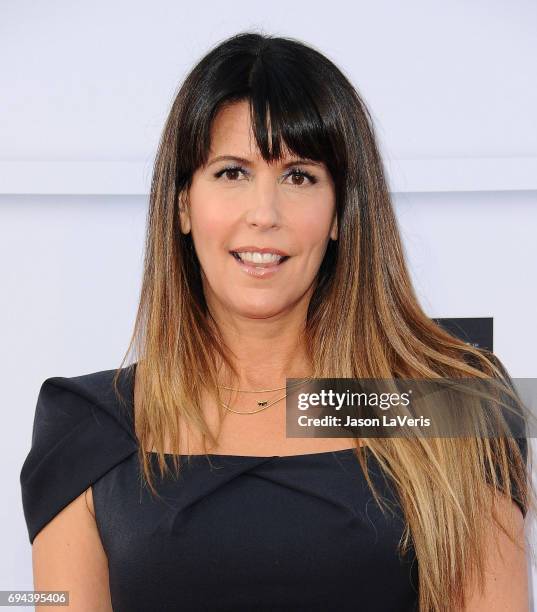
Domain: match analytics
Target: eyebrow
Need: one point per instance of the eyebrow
(247, 162)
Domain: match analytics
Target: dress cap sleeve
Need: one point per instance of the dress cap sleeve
(80, 431)
(516, 496)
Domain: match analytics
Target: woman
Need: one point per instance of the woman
(272, 253)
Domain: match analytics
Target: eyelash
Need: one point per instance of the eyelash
(296, 171)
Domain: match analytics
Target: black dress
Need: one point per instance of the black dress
(234, 533)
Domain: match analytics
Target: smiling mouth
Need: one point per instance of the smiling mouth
(269, 264)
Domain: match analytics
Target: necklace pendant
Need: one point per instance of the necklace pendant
(262, 403)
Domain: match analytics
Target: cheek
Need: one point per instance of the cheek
(211, 225)
(312, 227)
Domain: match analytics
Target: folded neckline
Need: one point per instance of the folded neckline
(316, 454)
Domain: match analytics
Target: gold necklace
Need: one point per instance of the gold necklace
(264, 404)
(252, 391)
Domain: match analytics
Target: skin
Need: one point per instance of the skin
(263, 207)
(507, 583)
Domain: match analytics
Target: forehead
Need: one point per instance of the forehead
(232, 133)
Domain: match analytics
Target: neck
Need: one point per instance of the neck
(264, 351)
(264, 362)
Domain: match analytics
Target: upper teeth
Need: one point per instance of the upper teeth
(259, 257)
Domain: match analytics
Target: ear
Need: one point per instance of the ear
(184, 215)
(334, 229)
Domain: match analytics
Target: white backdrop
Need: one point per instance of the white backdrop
(84, 92)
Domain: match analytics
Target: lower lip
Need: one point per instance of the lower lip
(259, 270)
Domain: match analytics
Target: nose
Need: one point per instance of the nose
(264, 208)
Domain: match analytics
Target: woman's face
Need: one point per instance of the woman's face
(259, 206)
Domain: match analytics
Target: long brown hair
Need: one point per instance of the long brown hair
(363, 321)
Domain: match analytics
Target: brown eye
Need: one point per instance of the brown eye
(299, 175)
(231, 174)
(232, 170)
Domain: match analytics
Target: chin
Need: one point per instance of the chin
(258, 311)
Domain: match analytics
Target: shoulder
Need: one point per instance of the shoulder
(81, 429)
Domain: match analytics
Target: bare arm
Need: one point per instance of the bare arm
(506, 585)
(68, 555)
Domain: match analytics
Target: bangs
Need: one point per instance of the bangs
(292, 99)
(284, 115)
